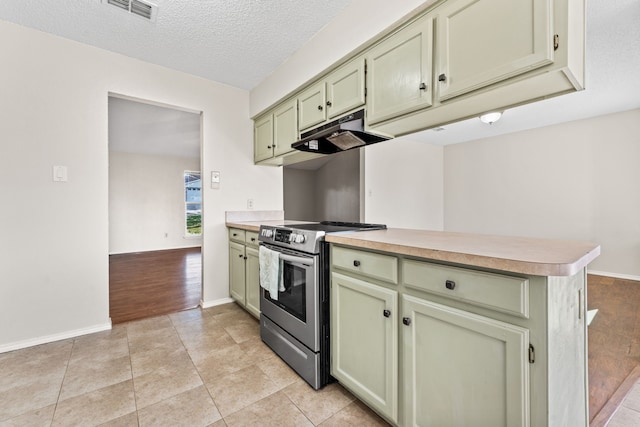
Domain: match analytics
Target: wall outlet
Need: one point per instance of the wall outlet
(249, 203)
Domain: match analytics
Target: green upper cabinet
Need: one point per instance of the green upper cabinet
(338, 93)
(285, 127)
(452, 60)
(345, 88)
(481, 42)
(311, 104)
(263, 138)
(275, 131)
(399, 75)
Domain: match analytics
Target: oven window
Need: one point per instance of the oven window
(294, 296)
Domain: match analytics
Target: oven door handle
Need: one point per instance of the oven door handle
(299, 260)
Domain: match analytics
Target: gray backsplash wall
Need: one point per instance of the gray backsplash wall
(327, 189)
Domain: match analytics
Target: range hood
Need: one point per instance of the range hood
(340, 135)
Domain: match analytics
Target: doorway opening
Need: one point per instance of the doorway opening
(155, 209)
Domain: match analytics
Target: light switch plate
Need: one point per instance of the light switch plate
(60, 173)
(215, 180)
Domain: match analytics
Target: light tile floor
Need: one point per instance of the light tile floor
(193, 368)
(628, 413)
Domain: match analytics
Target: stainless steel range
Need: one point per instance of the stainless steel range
(294, 318)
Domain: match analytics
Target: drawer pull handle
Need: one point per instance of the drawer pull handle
(422, 86)
(356, 263)
(240, 256)
(442, 78)
(253, 239)
(386, 313)
(450, 284)
(406, 321)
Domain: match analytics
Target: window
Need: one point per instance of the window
(193, 203)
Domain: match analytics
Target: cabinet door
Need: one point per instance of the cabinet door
(461, 369)
(285, 127)
(237, 272)
(311, 105)
(399, 72)
(364, 341)
(263, 138)
(480, 42)
(345, 88)
(252, 282)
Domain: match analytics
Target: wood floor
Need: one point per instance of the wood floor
(152, 283)
(148, 284)
(614, 338)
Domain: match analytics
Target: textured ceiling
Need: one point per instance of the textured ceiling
(236, 42)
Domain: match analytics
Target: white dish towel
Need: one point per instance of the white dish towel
(269, 271)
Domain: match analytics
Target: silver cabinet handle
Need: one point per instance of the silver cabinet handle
(299, 260)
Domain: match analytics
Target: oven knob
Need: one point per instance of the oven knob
(267, 233)
(300, 238)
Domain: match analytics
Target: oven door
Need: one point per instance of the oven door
(296, 309)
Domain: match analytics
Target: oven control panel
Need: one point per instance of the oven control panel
(282, 235)
(302, 240)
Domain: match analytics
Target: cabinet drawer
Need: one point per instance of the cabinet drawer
(251, 238)
(237, 235)
(377, 266)
(507, 294)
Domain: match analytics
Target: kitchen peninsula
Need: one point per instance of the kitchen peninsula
(442, 328)
(439, 328)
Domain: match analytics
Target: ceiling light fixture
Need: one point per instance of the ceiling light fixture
(491, 118)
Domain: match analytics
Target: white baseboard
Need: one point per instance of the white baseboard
(207, 304)
(616, 275)
(56, 337)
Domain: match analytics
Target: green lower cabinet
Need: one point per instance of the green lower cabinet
(244, 270)
(252, 282)
(237, 276)
(364, 342)
(462, 369)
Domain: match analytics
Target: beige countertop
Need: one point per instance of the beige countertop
(540, 257)
(255, 225)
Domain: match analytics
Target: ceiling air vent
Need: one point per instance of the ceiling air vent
(136, 7)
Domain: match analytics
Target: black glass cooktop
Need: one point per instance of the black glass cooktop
(336, 226)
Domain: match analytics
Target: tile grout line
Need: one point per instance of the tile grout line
(133, 386)
(194, 364)
(66, 368)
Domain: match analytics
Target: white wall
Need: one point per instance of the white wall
(403, 184)
(577, 180)
(54, 245)
(146, 202)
